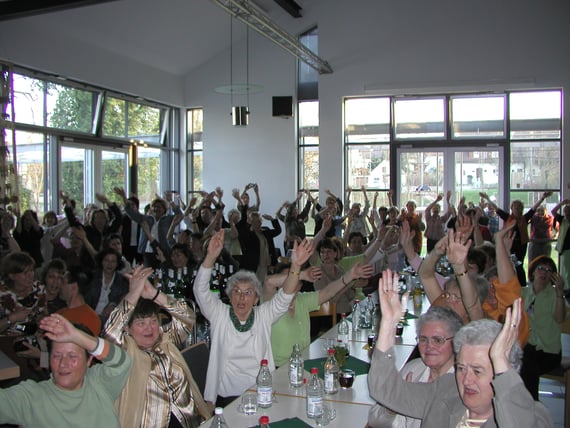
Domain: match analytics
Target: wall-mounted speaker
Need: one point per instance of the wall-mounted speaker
(282, 106)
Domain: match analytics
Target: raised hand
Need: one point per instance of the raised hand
(58, 328)
(216, 245)
(302, 252)
(137, 280)
(463, 225)
(501, 347)
(120, 191)
(362, 271)
(312, 274)
(458, 246)
(389, 297)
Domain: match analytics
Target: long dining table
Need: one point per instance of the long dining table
(351, 405)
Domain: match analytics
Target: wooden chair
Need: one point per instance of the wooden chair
(327, 309)
(562, 374)
(196, 357)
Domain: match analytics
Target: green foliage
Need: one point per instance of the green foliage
(73, 108)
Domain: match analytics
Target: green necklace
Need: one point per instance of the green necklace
(237, 324)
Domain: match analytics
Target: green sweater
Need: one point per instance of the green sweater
(43, 404)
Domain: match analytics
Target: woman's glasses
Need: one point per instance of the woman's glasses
(434, 340)
(248, 292)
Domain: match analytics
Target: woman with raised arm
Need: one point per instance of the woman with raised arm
(241, 331)
(160, 391)
(486, 390)
(545, 305)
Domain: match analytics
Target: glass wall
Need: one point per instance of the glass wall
(89, 130)
(508, 144)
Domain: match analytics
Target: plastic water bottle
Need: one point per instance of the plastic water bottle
(315, 394)
(264, 386)
(343, 329)
(356, 316)
(219, 421)
(331, 374)
(296, 367)
(264, 422)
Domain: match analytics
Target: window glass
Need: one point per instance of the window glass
(72, 164)
(478, 117)
(148, 174)
(369, 166)
(30, 166)
(529, 198)
(536, 115)
(113, 170)
(28, 100)
(421, 175)
(309, 122)
(309, 161)
(125, 119)
(69, 108)
(419, 118)
(367, 120)
(195, 125)
(535, 165)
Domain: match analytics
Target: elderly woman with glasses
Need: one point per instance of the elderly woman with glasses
(546, 309)
(486, 390)
(435, 329)
(241, 331)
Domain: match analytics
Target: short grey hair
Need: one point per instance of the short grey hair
(484, 332)
(442, 314)
(241, 277)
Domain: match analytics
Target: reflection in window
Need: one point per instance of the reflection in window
(420, 118)
(478, 117)
(367, 120)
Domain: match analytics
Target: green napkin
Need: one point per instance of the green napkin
(360, 367)
(287, 423)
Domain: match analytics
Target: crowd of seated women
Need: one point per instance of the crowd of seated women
(149, 276)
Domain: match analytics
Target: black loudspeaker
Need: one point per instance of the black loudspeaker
(282, 106)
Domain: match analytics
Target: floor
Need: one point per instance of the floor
(552, 396)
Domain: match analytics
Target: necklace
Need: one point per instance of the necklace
(238, 325)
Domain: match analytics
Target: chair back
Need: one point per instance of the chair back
(327, 309)
(196, 357)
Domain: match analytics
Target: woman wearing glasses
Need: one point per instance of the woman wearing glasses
(241, 331)
(546, 309)
(435, 330)
(486, 390)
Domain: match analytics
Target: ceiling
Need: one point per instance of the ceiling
(174, 36)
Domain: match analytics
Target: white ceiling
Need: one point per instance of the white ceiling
(175, 36)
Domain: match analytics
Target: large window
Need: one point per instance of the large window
(89, 130)
(508, 144)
